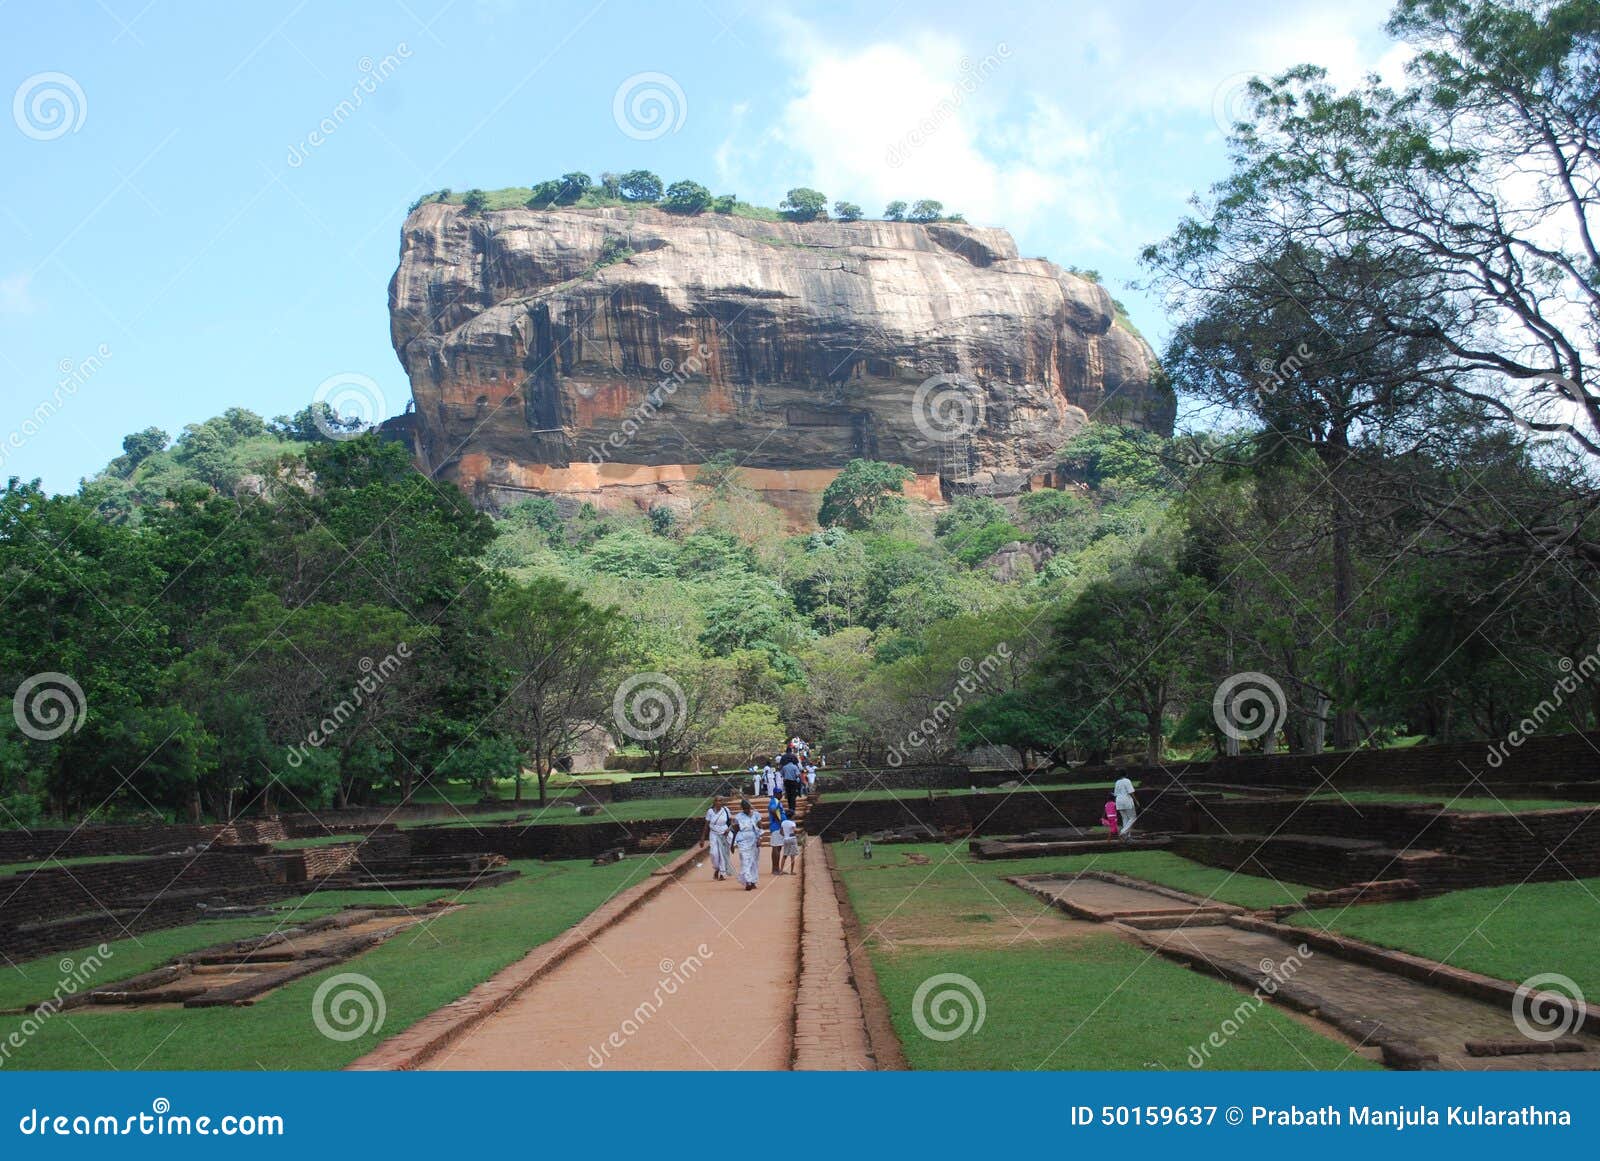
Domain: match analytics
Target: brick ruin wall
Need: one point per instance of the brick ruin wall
(831, 780)
(72, 906)
(1554, 760)
(984, 814)
(19, 846)
(1331, 844)
(552, 841)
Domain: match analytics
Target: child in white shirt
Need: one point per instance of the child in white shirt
(791, 845)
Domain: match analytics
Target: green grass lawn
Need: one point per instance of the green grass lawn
(1089, 1000)
(418, 971)
(953, 862)
(321, 840)
(562, 813)
(1479, 804)
(1510, 932)
(35, 980)
(77, 861)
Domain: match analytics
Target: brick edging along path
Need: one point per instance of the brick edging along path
(424, 1039)
(830, 1026)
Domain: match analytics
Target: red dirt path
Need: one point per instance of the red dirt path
(634, 997)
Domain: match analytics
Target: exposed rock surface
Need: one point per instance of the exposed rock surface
(607, 353)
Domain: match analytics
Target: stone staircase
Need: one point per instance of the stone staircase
(802, 807)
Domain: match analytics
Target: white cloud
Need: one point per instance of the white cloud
(16, 295)
(918, 118)
(1176, 60)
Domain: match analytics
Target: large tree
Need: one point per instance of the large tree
(555, 652)
(1475, 189)
(864, 490)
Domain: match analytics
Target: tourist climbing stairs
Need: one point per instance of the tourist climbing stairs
(802, 807)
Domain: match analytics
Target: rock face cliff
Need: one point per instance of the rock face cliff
(608, 353)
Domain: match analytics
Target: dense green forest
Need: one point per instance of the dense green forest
(1381, 527)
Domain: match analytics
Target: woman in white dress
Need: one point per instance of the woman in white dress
(1127, 810)
(716, 833)
(747, 838)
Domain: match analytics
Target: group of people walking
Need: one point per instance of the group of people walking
(728, 832)
(790, 773)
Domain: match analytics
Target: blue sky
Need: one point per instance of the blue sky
(171, 244)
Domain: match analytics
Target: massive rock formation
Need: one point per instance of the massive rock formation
(608, 353)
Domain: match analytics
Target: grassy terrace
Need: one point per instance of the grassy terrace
(1058, 994)
(76, 861)
(1510, 932)
(1482, 804)
(561, 811)
(418, 971)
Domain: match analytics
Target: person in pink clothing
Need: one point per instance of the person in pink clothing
(1109, 819)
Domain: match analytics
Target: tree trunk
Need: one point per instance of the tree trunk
(1317, 726)
(1230, 740)
(1345, 731)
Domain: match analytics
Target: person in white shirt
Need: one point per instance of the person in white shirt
(756, 780)
(791, 845)
(716, 833)
(747, 837)
(1122, 792)
(770, 782)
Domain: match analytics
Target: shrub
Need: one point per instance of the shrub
(804, 204)
(544, 195)
(571, 187)
(687, 197)
(926, 210)
(895, 211)
(640, 185)
(847, 211)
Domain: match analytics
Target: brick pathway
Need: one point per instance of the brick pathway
(830, 1027)
(678, 972)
